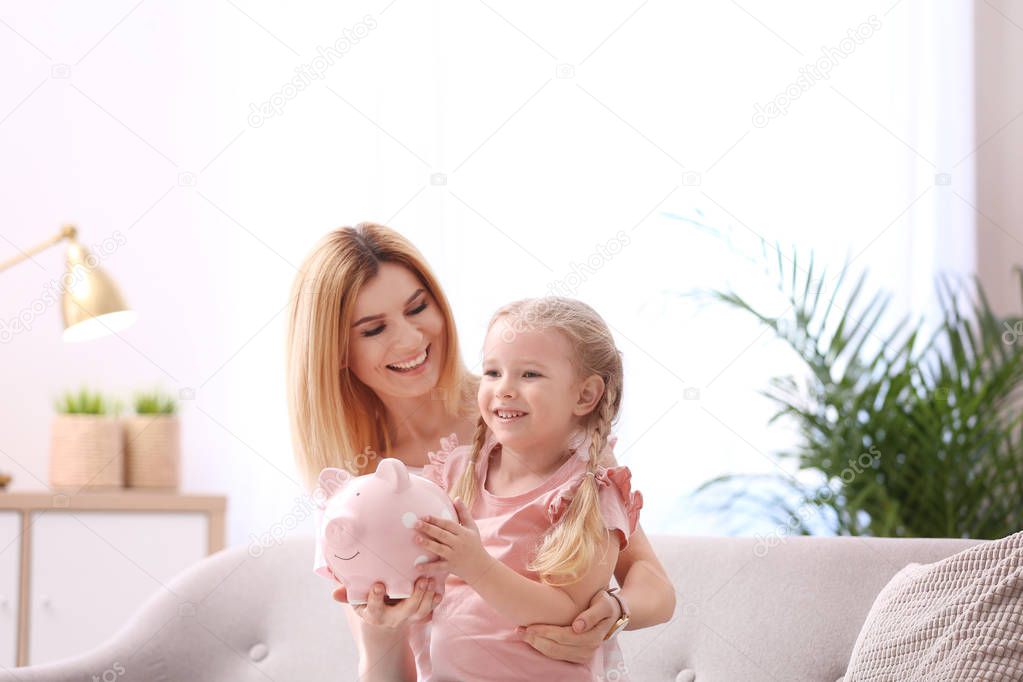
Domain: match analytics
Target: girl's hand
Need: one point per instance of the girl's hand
(457, 545)
(578, 643)
(394, 613)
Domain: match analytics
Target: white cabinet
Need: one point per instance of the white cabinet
(92, 570)
(74, 568)
(10, 560)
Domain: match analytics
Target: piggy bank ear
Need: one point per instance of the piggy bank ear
(331, 480)
(394, 474)
(326, 572)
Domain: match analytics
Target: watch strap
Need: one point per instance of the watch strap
(623, 618)
(622, 611)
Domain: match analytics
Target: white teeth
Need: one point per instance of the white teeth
(410, 365)
(509, 415)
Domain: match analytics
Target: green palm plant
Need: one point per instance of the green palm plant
(911, 434)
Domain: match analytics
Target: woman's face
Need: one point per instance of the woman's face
(398, 338)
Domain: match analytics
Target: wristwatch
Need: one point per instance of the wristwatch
(623, 620)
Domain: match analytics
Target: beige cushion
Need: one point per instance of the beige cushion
(960, 618)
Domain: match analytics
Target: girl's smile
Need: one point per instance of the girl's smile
(509, 415)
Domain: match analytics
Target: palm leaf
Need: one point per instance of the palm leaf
(942, 412)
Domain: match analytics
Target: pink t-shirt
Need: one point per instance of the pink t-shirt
(469, 640)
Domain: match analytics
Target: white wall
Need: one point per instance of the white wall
(554, 128)
(999, 164)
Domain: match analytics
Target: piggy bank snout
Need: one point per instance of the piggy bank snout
(342, 533)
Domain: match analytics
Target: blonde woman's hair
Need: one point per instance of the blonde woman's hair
(336, 420)
(568, 548)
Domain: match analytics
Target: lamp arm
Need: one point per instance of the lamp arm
(67, 232)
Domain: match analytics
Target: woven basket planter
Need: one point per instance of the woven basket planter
(152, 451)
(86, 451)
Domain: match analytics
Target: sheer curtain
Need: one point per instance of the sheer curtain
(587, 149)
(606, 177)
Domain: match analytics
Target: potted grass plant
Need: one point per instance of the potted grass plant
(86, 446)
(152, 439)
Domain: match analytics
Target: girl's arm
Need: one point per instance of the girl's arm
(518, 598)
(646, 588)
(526, 601)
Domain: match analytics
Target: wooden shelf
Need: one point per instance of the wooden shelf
(134, 499)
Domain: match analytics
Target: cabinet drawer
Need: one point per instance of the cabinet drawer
(91, 570)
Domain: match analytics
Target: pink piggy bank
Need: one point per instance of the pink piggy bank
(367, 529)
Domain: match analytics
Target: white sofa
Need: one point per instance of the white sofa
(747, 609)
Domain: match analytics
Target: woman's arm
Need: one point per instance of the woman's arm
(384, 653)
(646, 588)
(526, 601)
(643, 583)
(380, 632)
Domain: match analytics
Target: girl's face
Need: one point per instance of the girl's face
(529, 394)
(398, 339)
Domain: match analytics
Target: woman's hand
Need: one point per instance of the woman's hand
(457, 545)
(578, 643)
(394, 613)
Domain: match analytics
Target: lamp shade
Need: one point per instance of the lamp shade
(92, 304)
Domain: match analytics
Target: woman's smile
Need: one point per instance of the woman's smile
(417, 365)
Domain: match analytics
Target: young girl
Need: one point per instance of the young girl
(541, 521)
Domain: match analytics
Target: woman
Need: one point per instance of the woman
(374, 370)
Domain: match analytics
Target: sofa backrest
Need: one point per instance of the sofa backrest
(746, 609)
(787, 608)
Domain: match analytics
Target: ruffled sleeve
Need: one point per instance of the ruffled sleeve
(619, 503)
(437, 467)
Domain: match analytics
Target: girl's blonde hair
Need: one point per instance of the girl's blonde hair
(568, 548)
(336, 420)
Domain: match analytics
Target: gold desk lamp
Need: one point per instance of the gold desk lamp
(91, 303)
